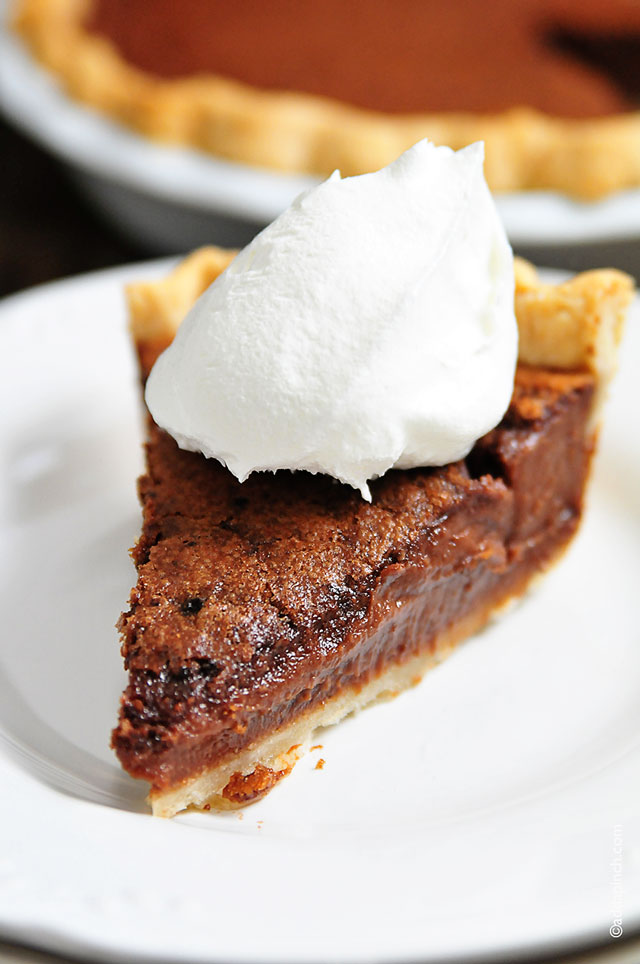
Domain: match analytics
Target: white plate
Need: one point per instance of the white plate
(477, 814)
(175, 198)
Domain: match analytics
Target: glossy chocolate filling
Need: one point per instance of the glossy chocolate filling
(256, 602)
(397, 56)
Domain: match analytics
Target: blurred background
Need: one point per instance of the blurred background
(80, 192)
(49, 231)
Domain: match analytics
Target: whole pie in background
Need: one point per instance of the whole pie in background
(551, 86)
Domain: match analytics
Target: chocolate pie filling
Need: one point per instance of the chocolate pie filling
(395, 55)
(290, 589)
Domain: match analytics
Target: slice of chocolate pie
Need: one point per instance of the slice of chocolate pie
(266, 609)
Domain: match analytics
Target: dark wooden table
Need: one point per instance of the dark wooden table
(46, 229)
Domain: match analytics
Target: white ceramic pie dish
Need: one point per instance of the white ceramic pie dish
(175, 198)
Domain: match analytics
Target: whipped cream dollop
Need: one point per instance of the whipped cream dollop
(370, 326)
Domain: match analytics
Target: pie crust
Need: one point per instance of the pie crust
(301, 133)
(573, 326)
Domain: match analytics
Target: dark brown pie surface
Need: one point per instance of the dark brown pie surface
(569, 58)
